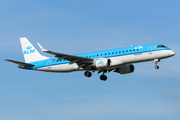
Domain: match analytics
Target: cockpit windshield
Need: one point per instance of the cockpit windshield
(161, 46)
(164, 46)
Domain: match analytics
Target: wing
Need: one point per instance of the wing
(74, 59)
(19, 63)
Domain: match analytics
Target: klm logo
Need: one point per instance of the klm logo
(101, 62)
(138, 47)
(29, 50)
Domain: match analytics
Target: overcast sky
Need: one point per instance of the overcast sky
(78, 26)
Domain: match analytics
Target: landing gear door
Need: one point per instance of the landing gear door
(150, 49)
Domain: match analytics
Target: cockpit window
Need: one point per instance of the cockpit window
(164, 46)
(159, 46)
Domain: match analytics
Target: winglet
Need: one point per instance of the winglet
(42, 48)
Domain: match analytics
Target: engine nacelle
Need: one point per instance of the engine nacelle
(102, 63)
(128, 68)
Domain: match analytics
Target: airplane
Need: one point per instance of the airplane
(118, 60)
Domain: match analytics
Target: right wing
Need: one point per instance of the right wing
(20, 63)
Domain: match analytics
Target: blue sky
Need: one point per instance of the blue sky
(83, 26)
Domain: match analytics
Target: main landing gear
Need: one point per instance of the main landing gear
(103, 77)
(88, 74)
(156, 62)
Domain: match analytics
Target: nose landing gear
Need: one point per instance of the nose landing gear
(157, 67)
(156, 62)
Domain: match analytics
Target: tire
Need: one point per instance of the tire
(103, 77)
(88, 74)
(157, 67)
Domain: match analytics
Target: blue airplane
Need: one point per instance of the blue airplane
(117, 60)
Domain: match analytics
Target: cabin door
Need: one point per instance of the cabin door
(150, 49)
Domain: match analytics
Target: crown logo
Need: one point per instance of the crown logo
(29, 47)
(101, 62)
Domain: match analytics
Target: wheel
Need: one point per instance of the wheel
(103, 77)
(88, 74)
(85, 73)
(157, 67)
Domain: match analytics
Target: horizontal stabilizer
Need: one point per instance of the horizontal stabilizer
(20, 63)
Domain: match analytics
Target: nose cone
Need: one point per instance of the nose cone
(171, 53)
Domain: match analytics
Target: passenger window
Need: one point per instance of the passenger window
(126, 50)
(134, 50)
(93, 55)
(101, 54)
(116, 52)
(137, 49)
(112, 52)
(119, 51)
(89, 56)
(109, 53)
(123, 51)
(97, 55)
(130, 50)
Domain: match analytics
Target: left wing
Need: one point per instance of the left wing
(74, 59)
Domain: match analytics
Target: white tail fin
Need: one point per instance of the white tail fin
(30, 53)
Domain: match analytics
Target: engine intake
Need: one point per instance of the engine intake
(128, 68)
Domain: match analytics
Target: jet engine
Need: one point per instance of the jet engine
(102, 63)
(128, 68)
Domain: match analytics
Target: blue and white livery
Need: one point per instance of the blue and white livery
(117, 60)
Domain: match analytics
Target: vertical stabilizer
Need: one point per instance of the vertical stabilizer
(30, 53)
